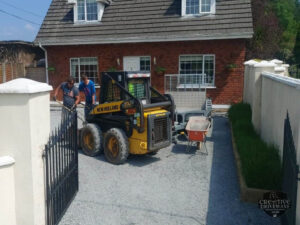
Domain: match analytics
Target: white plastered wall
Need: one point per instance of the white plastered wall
(24, 131)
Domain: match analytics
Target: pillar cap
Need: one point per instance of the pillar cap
(6, 161)
(265, 63)
(24, 86)
(276, 61)
(250, 62)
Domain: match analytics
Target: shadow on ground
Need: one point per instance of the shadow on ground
(225, 207)
(133, 160)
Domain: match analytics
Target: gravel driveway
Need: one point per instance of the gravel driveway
(172, 187)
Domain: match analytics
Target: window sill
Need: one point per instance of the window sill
(188, 16)
(83, 23)
(194, 86)
(210, 87)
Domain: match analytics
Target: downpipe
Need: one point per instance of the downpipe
(46, 62)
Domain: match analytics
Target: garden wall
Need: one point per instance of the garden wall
(271, 97)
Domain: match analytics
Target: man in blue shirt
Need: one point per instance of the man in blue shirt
(88, 88)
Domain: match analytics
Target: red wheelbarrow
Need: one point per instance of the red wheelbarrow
(197, 129)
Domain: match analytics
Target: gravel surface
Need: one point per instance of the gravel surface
(172, 187)
(56, 115)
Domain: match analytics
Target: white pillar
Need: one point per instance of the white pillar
(247, 80)
(24, 131)
(256, 91)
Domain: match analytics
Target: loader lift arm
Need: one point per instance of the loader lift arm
(128, 101)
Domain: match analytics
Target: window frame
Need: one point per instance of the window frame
(100, 11)
(212, 8)
(203, 67)
(97, 85)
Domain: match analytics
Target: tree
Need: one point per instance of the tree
(267, 33)
(297, 44)
(276, 24)
(297, 48)
(286, 11)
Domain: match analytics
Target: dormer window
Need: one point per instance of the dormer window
(88, 10)
(198, 7)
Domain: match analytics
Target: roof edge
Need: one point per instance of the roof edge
(248, 35)
(15, 42)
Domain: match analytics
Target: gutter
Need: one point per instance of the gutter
(46, 62)
(141, 40)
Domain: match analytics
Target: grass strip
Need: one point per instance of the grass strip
(261, 166)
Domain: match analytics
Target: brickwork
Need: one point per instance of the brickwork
(36, 73)
(229, 82)
(9, 72)
(12, 71)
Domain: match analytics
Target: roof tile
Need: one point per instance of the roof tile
(146, 20)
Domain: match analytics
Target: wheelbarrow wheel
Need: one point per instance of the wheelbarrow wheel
(199, 145)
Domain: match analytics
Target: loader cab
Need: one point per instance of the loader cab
(136, 83)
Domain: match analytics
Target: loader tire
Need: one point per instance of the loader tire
(91, 139)
(116, 147)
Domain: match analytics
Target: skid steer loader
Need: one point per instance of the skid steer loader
(131, 118)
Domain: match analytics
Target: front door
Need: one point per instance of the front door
(131, 63)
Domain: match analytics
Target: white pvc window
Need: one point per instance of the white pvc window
(196, 7)
(192, 7)
(87, 10)
(87, 66)
(205, 6)
(192, 68)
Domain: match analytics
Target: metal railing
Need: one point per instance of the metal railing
(290, 173)
(61, 168)
(186, 82)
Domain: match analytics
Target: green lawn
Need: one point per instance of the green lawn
(261, 166)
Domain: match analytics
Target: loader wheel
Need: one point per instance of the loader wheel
(116, 147)
(91, 139)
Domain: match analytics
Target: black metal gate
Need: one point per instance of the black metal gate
(290, 173)
(61, 168)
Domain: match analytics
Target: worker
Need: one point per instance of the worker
(70, 96)
(88, 88)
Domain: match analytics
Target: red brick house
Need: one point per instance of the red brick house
(182, 36)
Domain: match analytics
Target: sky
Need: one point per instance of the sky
(30, 15)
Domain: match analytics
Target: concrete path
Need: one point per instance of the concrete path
(173, 187)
